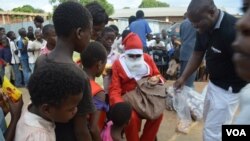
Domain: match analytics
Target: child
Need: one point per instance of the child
(49, 35)
(54, 98)
(35, 48)
(94, 59)
(119, 116)
(73, 31)
(100, 18)
(107, 39)
(15, 59)
(22, 45)
(5, 55)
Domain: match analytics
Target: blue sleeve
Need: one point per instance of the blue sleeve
(19, 44)
(148, 29)
(100, 105)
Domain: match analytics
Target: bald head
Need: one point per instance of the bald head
(203, 14)
(199, 6)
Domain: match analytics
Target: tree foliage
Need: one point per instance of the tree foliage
(152, 3)
(1, 9)
(27, 9)
(107, 6)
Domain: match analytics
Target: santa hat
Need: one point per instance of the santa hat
(132, 44)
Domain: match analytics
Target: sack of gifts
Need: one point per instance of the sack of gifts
(148, 99)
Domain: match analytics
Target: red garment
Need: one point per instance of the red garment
(95, 89)
(121, 84)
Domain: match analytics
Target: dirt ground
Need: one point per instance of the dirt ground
(167, 129)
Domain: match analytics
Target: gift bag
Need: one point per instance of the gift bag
(147, 100)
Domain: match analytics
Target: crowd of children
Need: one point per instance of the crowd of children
(18, 55)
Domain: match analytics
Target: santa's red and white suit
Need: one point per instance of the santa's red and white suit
(122, 82)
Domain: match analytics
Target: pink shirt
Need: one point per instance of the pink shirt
(106, 132)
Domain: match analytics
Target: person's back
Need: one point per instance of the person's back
(141, 28)
(188, 38)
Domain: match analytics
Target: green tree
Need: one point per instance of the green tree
(27, 9)
(107, 6)
(152, 3)
(1, 9)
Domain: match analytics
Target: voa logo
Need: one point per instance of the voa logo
(236, 132)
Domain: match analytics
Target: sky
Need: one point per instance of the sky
(229, 5)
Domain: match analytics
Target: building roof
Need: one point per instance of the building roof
(151, 12)
(158, 12)
(22, 13)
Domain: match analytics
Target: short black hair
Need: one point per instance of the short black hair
(53, 83)
(47, 28)
(98, 13)
(21, 31)
(139, 14)
(10, 33)
(106, 30)
(4, 38)
(125, 33)
(115, 28)
(69, 16)
(120, 113)
(94, 52)
(131, 19)
(31, 36)
(38, 19)
(2, 28)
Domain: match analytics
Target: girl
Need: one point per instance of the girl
(119, 116)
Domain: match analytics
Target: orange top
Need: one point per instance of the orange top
(95, 89)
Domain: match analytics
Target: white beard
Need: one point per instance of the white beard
(137, 67)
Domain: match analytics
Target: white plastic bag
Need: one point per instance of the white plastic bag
(195, 102)
(188, 104)
(183, 111)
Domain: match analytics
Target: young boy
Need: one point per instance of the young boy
(22, 45)
(15, 58)
(94, 59)
(73, 31)
(55, 92)
(49, 35)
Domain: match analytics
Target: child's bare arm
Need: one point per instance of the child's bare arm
(81, 128)
(15, 111)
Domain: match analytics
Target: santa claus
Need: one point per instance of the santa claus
(130, 67)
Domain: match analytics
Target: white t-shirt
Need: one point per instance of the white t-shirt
(32, 127)
(35, 45)
(153, 43)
